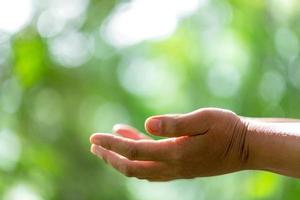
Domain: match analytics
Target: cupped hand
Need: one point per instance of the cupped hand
(205, 142)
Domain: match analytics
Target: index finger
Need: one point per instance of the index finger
(150, 150)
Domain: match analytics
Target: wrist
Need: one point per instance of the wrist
(257, 139)
(274, 147)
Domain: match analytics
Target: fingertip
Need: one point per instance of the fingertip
(93, 149)
(93, 138)
(153, 125)
(146, 125)
(96, 137)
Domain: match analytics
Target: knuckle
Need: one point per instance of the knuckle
(107, 144)
(206, 114)
(177, 125)
(180, 125)
(132, 152)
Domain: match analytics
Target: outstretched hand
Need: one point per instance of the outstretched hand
(205, 142)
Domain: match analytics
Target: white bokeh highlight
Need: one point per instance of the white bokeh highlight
(139, 20)
(15, 14)
(71, 49)
(294, 74)
(49, 24)
(272, 87)
(5, 48)
(224, 81)
(147, 78)
(10, 149)
(287, 44)
(57, 15)
(22, 191)
(286, 8)
(10, 96)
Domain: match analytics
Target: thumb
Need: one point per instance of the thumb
(194, 123)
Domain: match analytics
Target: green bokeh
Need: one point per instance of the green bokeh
(231, 54)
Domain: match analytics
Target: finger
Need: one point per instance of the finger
(139, 169)
(136, 149)
(194, 123)
(128, 132)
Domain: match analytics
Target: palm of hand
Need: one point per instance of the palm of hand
(206, 142)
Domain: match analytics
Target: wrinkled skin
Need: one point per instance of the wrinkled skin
(205, 142)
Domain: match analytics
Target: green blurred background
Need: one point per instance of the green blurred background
(69, 68)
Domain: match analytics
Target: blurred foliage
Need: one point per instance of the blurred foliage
(61, 82)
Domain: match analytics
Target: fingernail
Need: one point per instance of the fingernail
(154, 125)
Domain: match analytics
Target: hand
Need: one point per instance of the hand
(205, 142)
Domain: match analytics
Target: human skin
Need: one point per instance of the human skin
(206, 142)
